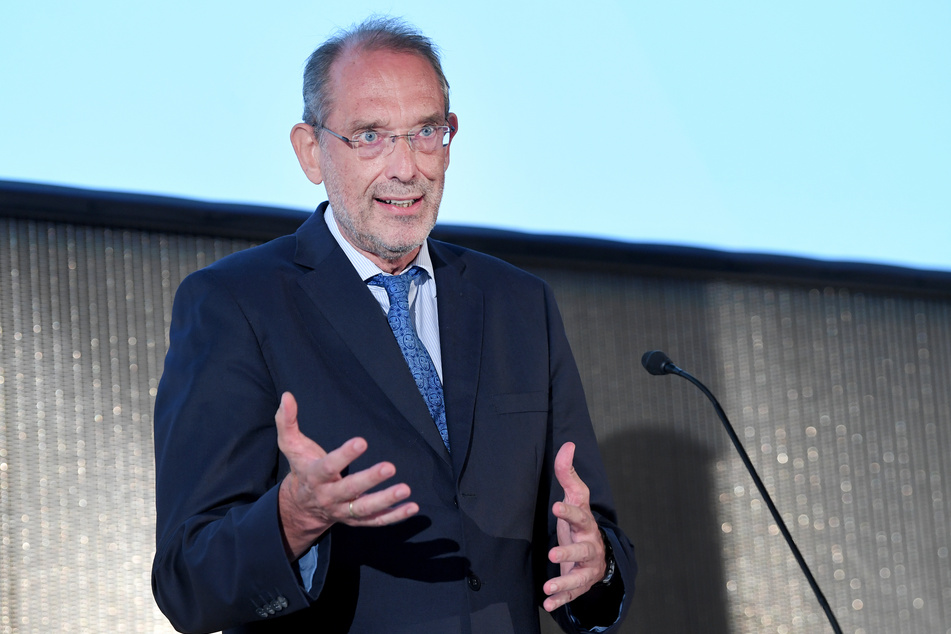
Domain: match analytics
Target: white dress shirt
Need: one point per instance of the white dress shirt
(422, 293)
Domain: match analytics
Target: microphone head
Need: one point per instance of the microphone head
(656, 362)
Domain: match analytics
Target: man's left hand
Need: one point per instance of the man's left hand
(580, 549)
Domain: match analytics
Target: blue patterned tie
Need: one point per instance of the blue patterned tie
(418, 359)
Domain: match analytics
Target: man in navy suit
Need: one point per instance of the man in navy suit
(446, 479)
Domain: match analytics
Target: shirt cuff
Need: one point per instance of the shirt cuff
(307, 565)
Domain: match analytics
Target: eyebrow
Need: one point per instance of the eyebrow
(433, 119)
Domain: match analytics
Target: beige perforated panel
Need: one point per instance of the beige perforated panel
(840, 396)
(842, 399)
(83, 324)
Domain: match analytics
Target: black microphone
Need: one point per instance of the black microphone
(658, 364)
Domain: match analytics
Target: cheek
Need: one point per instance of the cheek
(356, 179)
(434, 169)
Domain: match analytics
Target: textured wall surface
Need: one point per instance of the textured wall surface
(843, 401)
(841, 396)
(84, 314)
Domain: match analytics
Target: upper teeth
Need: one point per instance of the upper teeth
(399, 203)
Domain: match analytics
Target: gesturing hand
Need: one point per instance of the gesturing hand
(580, 550)
(314, 495)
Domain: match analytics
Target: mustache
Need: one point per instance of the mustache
(412, 189)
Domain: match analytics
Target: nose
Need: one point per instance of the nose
(401, 161)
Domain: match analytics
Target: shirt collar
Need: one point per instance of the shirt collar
(364, 266)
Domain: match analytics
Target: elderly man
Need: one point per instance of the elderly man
(431, 465)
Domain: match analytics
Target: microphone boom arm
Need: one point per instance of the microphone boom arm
(657, 362)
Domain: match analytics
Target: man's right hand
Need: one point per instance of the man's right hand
(314, 495)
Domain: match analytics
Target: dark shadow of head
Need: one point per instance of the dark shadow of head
(666, 500)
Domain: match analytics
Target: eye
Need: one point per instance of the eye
(368, 137)
(426, 131)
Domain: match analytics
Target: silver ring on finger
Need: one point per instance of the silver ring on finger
(352, 514)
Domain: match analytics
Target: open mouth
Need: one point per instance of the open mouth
(404, 204)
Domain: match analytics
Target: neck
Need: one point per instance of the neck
(394, 266)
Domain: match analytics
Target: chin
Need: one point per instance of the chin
(396, 248)
(408, 236)
(386, 237)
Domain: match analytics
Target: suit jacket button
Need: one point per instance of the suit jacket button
(474, 582)
(262, 613)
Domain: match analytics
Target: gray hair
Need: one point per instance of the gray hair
(374, 34)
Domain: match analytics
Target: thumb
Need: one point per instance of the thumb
(564, 465)
(290, 440)
(286, 415)
(576, 491)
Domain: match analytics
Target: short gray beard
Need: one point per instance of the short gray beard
(373, 244)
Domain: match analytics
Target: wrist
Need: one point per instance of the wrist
(299, 530)
(609, 561)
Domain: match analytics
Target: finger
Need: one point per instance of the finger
(358, 483)
(286, 416)
(380, 507)
(579, 553)
(567, 582)
(576, 491)
(392, 515)
(331, 466)
(563, 589)
(579, 518)
(334, 497)
(564, 459)
(292, 443)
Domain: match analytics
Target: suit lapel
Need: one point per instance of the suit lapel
(336, 290)
(460, 333)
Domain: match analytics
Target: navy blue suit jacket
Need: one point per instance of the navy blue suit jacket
(293, 315)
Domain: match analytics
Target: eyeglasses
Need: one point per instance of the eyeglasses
(371, 144)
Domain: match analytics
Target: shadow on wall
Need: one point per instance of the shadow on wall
(666, 505)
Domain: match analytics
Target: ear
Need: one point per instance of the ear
(306, 147)
(454, 122)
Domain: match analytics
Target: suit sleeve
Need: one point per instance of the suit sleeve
(220, 558)
(603, 606)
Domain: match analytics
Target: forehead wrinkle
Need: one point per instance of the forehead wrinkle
(383, 92)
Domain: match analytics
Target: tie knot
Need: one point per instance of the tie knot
(397, 286)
